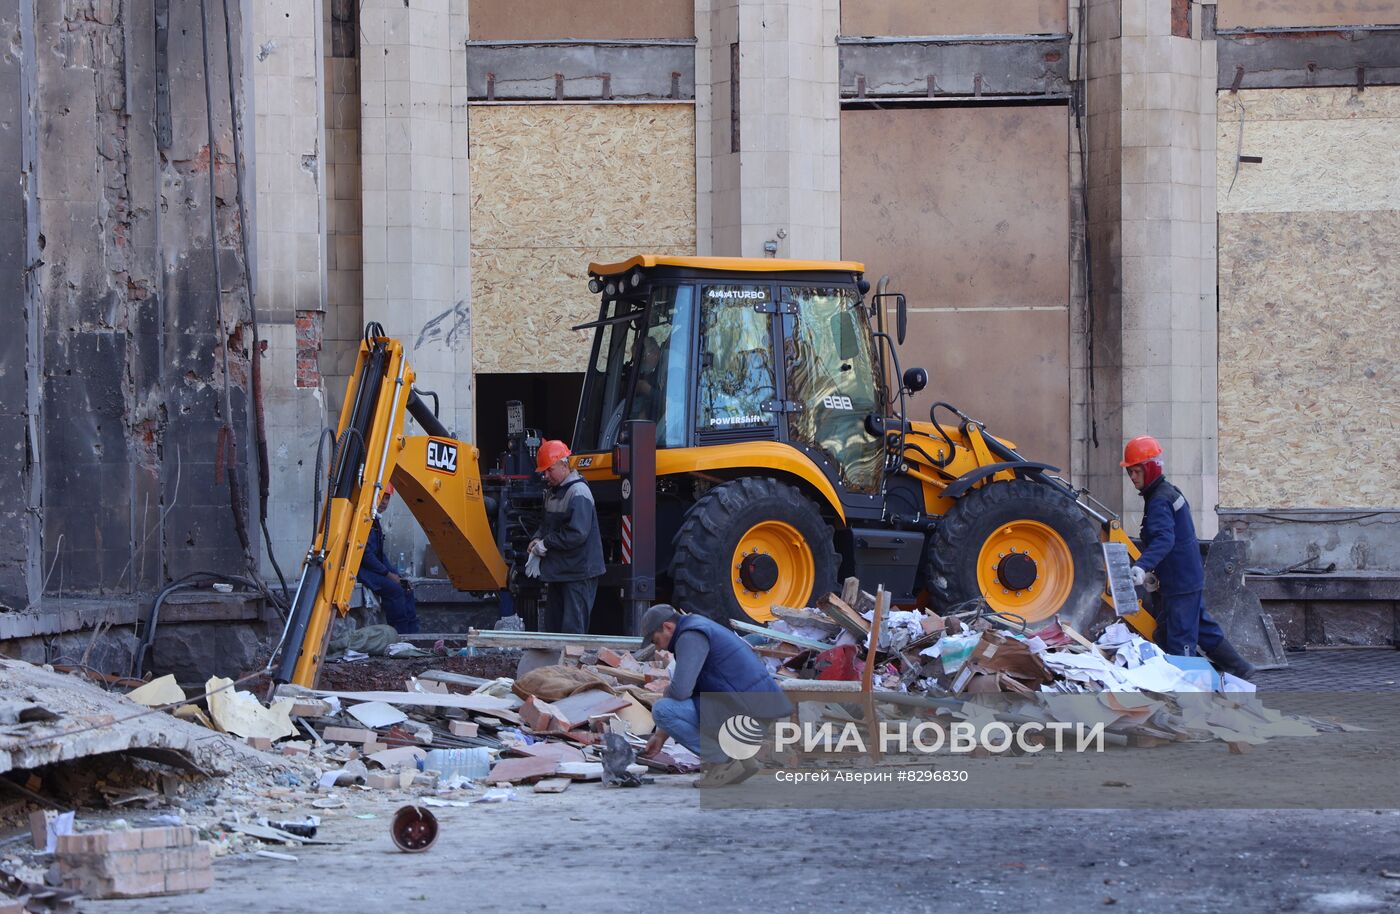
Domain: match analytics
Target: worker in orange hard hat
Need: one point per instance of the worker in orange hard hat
(1171, 551)
(566, 552)
(388, 584)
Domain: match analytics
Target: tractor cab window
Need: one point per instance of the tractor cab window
(662, 388)
(831, 374)
(604, 402)
(737, 377)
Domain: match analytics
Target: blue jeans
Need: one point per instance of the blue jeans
(1183, 623)
(400, 606)
(681, 721)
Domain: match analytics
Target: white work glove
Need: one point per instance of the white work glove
(537, 548)
(532, 566)
(1139, 576)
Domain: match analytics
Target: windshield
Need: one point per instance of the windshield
(605, 384)
(663, 381)
(736, 359)
(830, 372)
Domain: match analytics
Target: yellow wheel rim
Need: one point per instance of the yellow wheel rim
(1025, 568)
(772, 565)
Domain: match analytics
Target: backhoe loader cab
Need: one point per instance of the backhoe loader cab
(784, 462)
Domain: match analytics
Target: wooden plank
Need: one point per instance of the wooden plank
(547, 641)
(841, 613)
(809, 643)
(457, 679)
(552, 785)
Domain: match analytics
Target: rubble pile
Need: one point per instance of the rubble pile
(982, 664)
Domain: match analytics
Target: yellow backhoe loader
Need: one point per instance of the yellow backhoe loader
(743, 428)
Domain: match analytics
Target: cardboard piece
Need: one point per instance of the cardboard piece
(519, 770)
(376, 714)
(157, 692)
(241, 714)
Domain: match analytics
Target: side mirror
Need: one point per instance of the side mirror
(901, 318)
(915, 380)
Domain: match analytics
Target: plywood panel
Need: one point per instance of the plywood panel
(553, 187)
(968, 211)
(1232, 14)
(1304, 135)
(551, 19)
(966, 207)
(1309, 341)
(953, 17)
(1008, 368)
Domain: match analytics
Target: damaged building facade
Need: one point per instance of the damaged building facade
(1110, 218)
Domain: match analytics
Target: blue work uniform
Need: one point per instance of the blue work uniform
(1169, 548)
(400, 606)
(717, 677)
(573, 559)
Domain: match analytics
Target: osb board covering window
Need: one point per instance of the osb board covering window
(1232, 14)
(1309, 281)
(953, 17)
(557, 186)
(542, 20)
(967, 209)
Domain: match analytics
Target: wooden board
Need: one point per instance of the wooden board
(1308, 282)
(553, 187)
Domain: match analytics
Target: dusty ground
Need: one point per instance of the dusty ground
(653, 849)
(657, 849)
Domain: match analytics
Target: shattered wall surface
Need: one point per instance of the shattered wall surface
(16, 345)
(132, 338)
(1309, 281)
(556, 186)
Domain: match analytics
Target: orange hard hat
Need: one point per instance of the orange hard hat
(550, 453)
(1139, 450)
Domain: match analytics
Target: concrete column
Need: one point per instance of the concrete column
(289, 211)
(416, 196)
(775, 188)
(1158, 266)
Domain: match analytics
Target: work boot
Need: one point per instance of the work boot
(721, 774)
(1228, 660)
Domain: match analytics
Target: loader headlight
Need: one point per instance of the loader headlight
(636, 278)
(611, 289)
(595, 286)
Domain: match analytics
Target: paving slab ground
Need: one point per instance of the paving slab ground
(655, 849)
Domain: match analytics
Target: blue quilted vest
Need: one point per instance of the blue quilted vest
(732, 667)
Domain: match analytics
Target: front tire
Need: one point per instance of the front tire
(748, 545)
(1025, 549)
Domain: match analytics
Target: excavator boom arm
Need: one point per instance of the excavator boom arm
(437, 476)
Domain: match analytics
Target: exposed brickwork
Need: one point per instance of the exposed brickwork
(136, 862)
(310, 326)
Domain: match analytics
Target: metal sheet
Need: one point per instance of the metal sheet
(1293, 59)
(598, 70)
(936, 67)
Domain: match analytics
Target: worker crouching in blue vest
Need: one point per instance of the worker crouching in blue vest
(1170, 550)
(716, 677)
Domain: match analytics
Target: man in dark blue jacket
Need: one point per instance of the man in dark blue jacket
(717, 676)
(567, 548)
(395, 592)
(1170, 550)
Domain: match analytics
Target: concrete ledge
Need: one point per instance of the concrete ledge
(951, 67)
(56, 617)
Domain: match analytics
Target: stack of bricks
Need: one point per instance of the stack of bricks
(131, 863)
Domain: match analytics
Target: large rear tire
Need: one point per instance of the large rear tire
(747, 545)
(1023, 547)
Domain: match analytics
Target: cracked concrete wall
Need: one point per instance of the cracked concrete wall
(130, 334)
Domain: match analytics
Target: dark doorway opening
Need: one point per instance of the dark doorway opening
(550, 401)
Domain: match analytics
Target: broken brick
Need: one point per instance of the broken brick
(463, 728)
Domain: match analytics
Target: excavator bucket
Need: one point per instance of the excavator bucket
(1236, 607)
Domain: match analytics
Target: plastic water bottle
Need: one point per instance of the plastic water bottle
(470, 764)
(403, 564)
